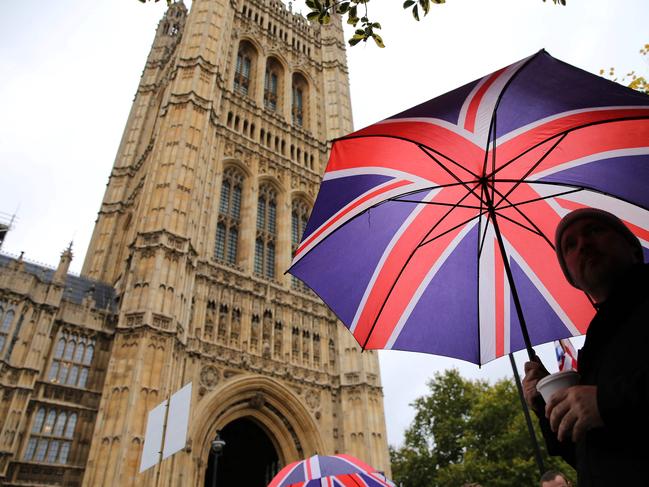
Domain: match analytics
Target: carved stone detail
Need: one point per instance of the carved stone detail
(209, 376)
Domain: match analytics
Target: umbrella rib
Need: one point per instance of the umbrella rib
(574, 190)
(480, 242)
(533, 230)
(454, 176)
(532, 168)
(425, 147)
(484, 235)
(566, 132)
(403, 268)
(534, 200)
(406, 139)
(435, 203)
(493, 155)
(450, 229)
(427, 188)
(584, 188)
(460, 183)
(536, 230)
(492, 125)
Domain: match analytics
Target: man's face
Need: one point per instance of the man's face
(595, 253)
(558, 481)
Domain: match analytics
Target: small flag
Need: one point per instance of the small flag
(566, 354)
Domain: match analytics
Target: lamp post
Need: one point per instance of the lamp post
(217, 448)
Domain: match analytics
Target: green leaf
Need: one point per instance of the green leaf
(353, 42)
(324, 18)
(425, 6)
(378, 41)
(343, 8)
(415, 13)
(376, 25)
(312, 16)
(360, 32)
(408, 3)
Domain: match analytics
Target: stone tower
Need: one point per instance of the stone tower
(213, 182)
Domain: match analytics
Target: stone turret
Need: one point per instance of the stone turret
(63, 267)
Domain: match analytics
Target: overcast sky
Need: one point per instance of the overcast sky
(70, 69)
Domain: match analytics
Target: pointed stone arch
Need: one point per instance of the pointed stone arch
(270, 404)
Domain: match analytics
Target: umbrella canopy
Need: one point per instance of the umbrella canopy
(433, 229)
(329, 471)
(348, 480)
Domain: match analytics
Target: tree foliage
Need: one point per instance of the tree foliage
(632, 79)
(357, 14)
(468, 431)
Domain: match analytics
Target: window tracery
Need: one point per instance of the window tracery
(229, 219)
(266, 232)
(299, 217)
(51, 436)
(71, 360)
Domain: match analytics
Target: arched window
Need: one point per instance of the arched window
(51, 439)
(69, 428)
(71, 360)
(6, 318)
(243, 72)
(266, 232)
(90, 351)
(273, 85)
(299, 217)
(299, 100)
(38, 420)
(227, 227)
(60, 424)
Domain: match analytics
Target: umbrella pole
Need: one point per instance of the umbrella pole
(528, 419)
(510, 279)
(526, 336)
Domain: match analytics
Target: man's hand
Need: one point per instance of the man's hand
(573, 411)
(534, 371)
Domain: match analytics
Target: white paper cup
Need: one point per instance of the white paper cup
(555, 382)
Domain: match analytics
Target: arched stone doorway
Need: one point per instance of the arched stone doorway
(249, 457)
(257, 404)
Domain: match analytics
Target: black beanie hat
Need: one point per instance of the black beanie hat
(600, 215)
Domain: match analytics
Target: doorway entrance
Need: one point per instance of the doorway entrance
(248, 459)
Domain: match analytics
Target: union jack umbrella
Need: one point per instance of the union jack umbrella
(433, 229)
(330, 471)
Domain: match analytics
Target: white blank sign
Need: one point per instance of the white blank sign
(153, 436)
(177, 421)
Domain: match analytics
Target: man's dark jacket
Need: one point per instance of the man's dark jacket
(615, 358)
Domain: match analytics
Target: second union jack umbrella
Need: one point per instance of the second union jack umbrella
(329, 471)
(433, 229)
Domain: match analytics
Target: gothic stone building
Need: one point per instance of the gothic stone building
(184, 277)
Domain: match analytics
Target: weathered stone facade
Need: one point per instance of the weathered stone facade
(183, 280)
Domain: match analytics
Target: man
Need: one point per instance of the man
(552, 478)
(601, 425)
